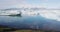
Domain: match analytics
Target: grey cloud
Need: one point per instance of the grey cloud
(8, 3)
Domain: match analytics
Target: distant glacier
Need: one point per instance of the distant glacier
(46, 13)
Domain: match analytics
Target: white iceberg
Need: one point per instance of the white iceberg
(9, 12)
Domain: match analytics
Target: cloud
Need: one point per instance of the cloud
(45, 0)
(10, 3)
(7, 3)
(25, 4)
(17, 3)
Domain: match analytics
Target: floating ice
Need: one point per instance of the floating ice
(9, 12)
(51, 14)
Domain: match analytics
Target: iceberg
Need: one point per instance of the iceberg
(6, 13)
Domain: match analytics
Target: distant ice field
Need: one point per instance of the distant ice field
(49, 14)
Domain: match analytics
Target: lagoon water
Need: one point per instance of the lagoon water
(33, 22)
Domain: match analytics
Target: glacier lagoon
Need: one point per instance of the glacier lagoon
(44, 20)
(30, 22)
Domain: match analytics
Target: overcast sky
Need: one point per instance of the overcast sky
(29, 3)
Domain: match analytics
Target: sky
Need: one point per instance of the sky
(29, 3)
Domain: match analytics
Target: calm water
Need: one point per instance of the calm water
(34, 22)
